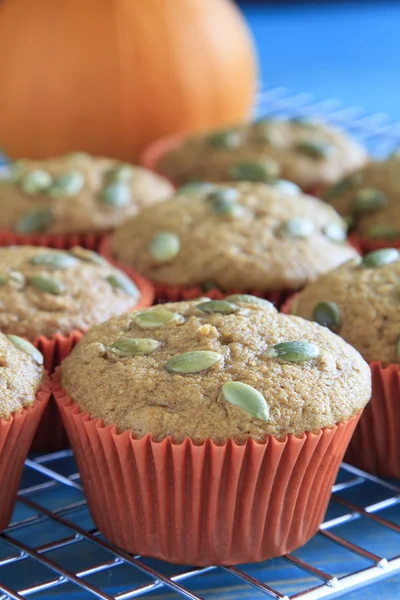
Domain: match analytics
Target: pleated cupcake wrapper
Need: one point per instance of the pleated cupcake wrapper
(368, 244)
(176, 293)
(152, 155)
(375, 446)
(15, 438)
(204, 504)
(91, 241)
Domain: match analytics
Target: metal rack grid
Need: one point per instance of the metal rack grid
(52, 549)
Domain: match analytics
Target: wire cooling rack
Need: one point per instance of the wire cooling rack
(52, 550)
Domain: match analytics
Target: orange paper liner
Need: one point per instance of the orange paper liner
(91, 241)
(176, 293)
(204, 504)
(375, 446)
(152, 155)
(15, 438)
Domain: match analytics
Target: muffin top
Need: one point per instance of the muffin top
(21, 374)
(244, 236)
(45, 291)
(370, 198)
(306, 152)
(76, 193)
(216, 369)
(361, 301)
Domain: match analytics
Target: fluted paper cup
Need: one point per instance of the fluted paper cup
(204, 504)
(91, 241)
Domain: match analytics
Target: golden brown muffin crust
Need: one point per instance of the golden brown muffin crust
(368, 300)
(80, 293)
(20, 378)
(139, 394)
(307, 153)
(80, 194)
(250, 250)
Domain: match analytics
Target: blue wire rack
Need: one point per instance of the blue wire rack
(52, 550)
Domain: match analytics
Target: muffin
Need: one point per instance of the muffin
(360, 302)
(24, 393)
(232, 237)
(50, 297)
(310, 154)
(72, 200)
(370, 200)
(224, 413)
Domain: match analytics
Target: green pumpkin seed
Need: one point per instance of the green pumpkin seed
(37, 221)
(328, 315)
(219, 306)
(54, 260)
(164, 246)
(379, 258)
(343, 186)
(120, 281)
(67, 185)
(117, 194)
(4, 278)
(247, 398)
(36, 181)
(249, 299)
(335, 232)
(298, 227)
(263, 171)
(49, 285)
(26, 347)
(224, 202)
(348, 220)
(383, 231)
(152, 319)
(12, 277)
(87, 255)
(314, 149)
(369, 200)
(224, 140)
(133, 347)
(121, 172)
(227, 194)
(287, 187)
(192, 362)
(297, 351)
(195, 187)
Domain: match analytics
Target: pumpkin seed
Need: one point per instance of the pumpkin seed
(343, 186)
(247, 398)
(348, 220)
(67, 185)
(264, 171)
(192, 362)
(120, 281)
(54, 260)
(227, 194)
(122, 172)
(227, 139)
(36, 221)
(35, 182)
(87, 255)
(117, 194)
(49, 285)
(334, 232)
(328, 315)
(224, 202)
(379, 258)
(26, 347)
(298, 227)
(369, 199)
(4, 278)
(287, 187)
(152, 319)
(219, 306)
(315, 150)
(248, 299)
(382, 231)
(133, 347)
(164, 246)
(13, 277)
(195, 187)
(297, 351)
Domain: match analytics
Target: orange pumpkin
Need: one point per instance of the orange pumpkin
(110, 76)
